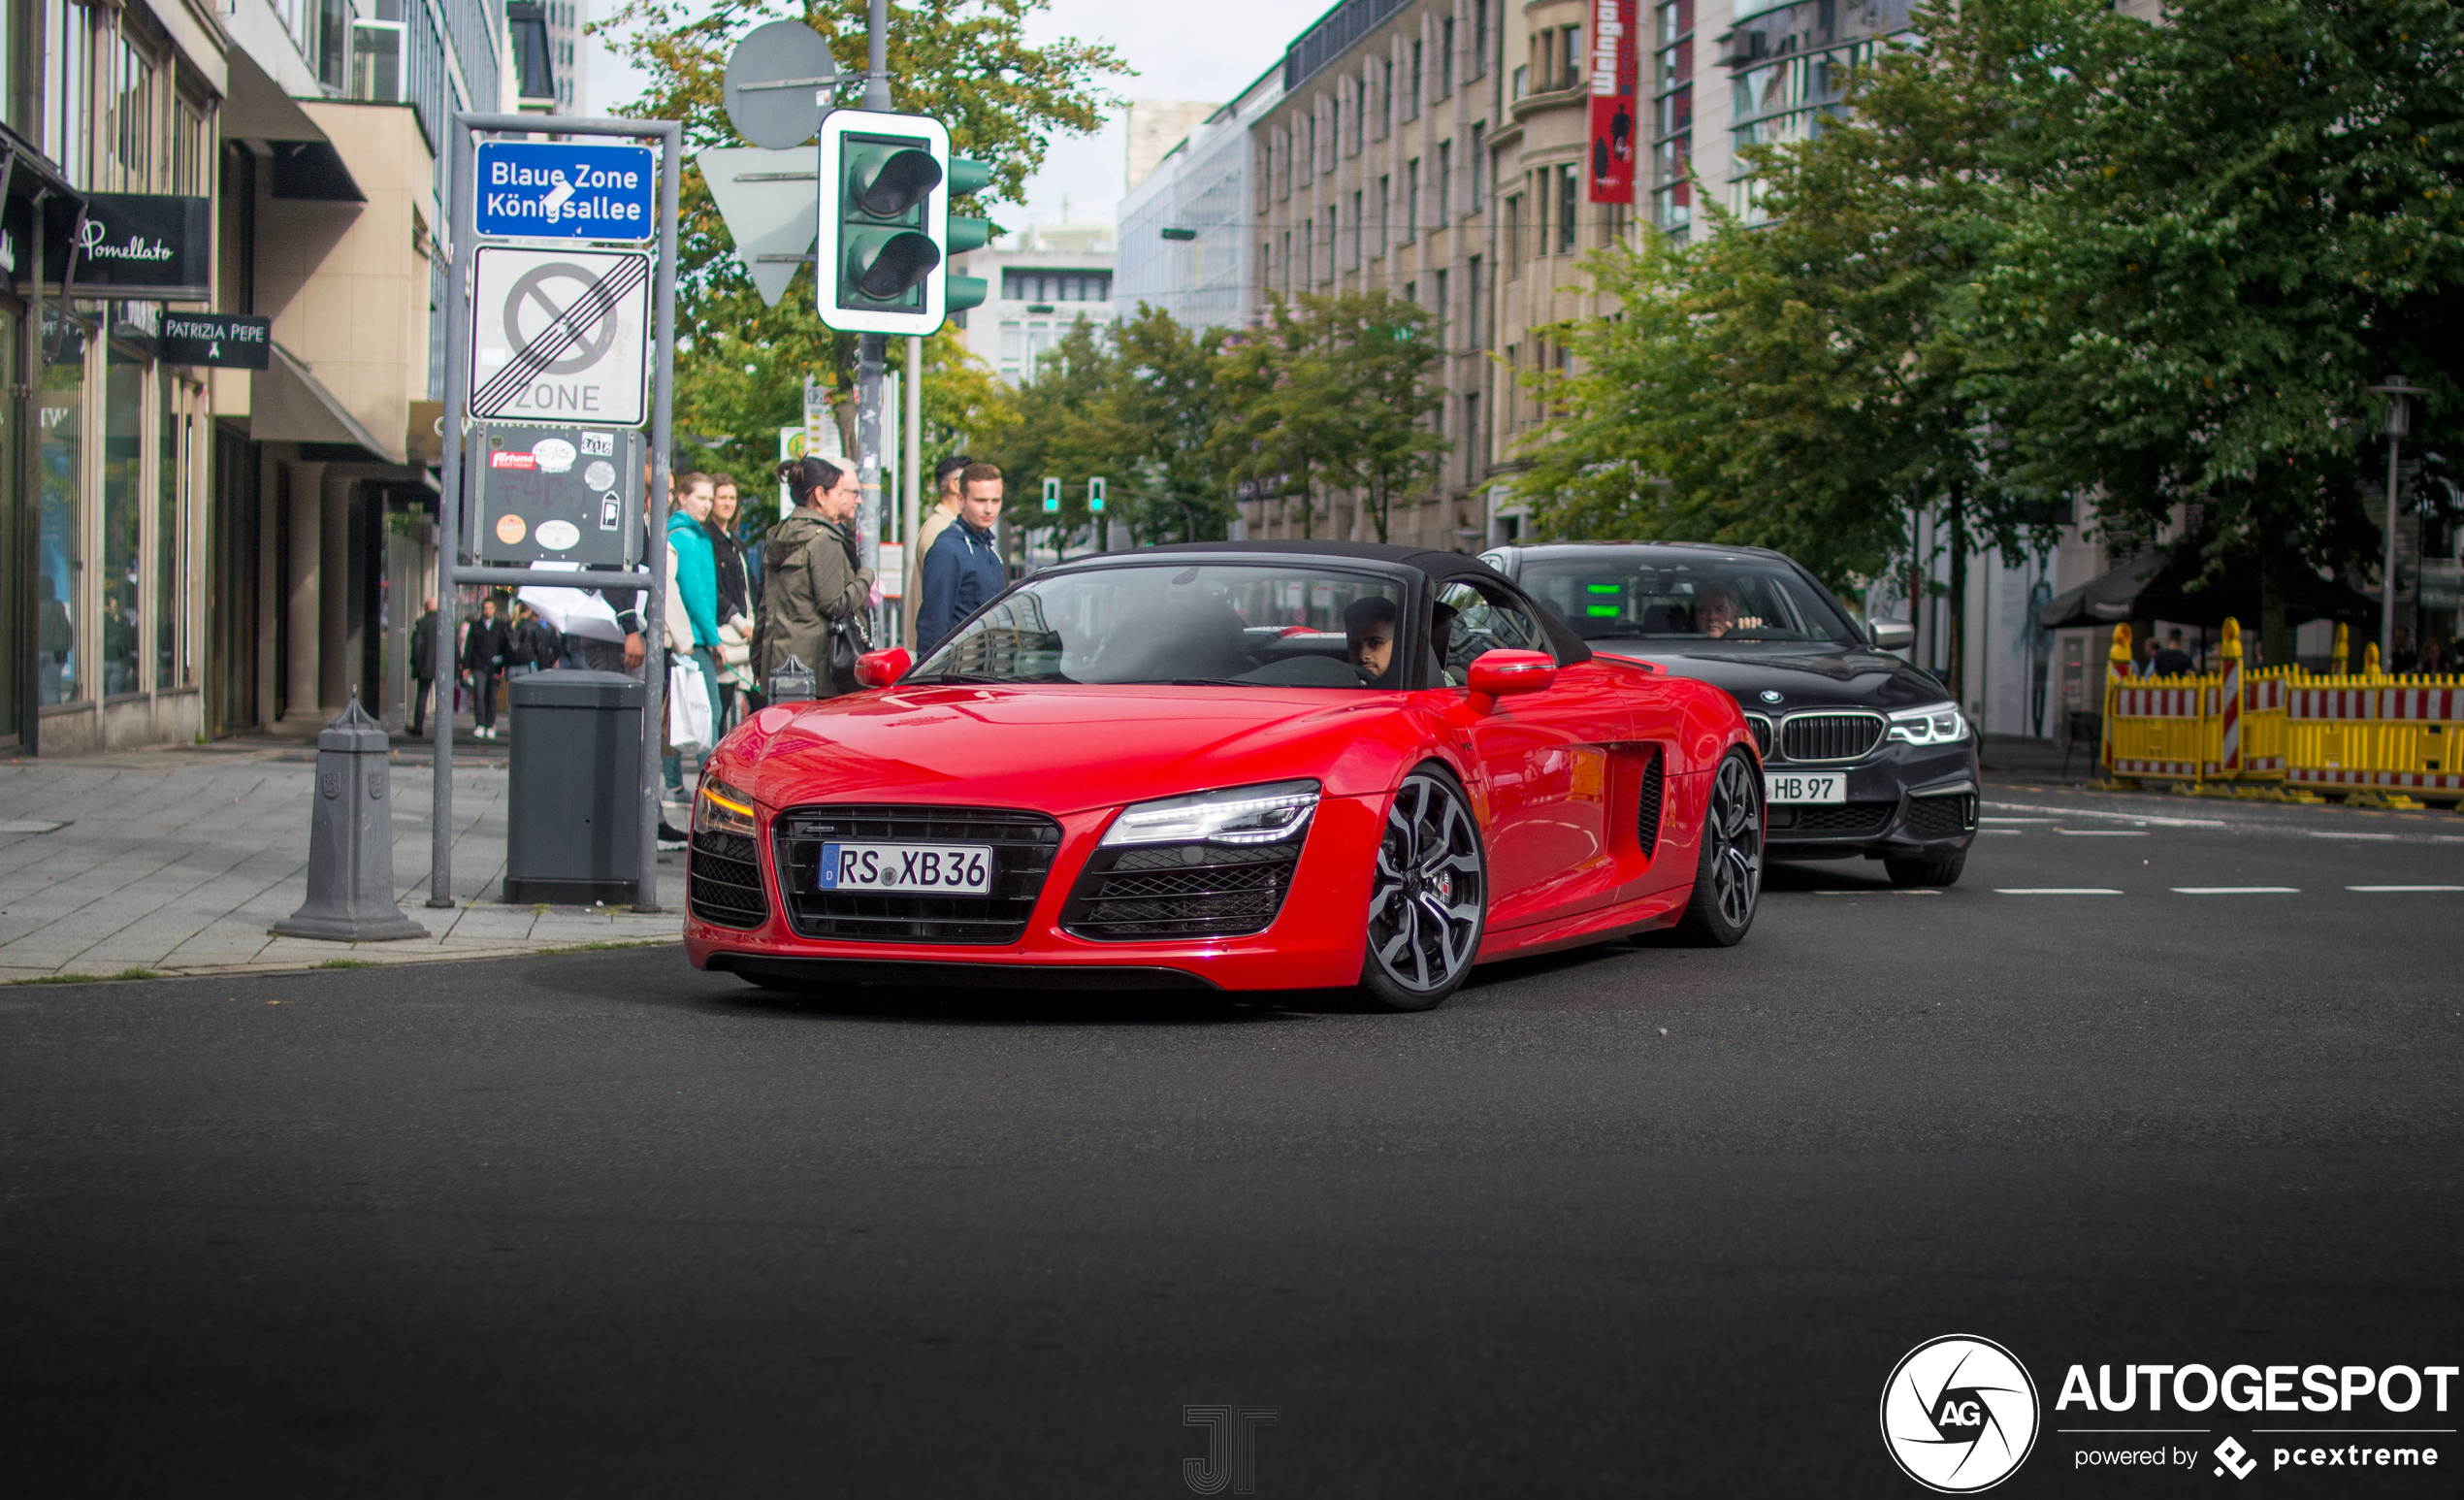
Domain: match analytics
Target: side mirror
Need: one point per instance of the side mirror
(1497, 674)
(1891, 635)
(880, 668)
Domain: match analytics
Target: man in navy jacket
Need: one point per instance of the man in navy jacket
(963, 569)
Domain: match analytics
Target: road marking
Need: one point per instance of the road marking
(1990, 819)
(2102, 832)
(2055, 891)
(2321, 834)
(2014, 832)
(1877, 891)
(2237, 890)
(2404, 888)
(2126, 817)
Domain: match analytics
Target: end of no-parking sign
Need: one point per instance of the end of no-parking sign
(558, 190)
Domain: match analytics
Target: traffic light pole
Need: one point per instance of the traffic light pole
(869, 347)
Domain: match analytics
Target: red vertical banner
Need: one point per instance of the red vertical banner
(1615, 129)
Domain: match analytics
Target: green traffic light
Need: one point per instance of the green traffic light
(968, 177)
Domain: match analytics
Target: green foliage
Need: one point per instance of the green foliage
(740, 366)
(2056, 254)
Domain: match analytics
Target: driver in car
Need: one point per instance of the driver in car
(1369, 638)
(1714, 612)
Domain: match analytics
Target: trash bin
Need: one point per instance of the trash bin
(573, 807)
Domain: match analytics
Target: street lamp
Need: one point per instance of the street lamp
(2399, 393)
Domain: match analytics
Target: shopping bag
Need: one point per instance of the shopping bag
(687, 705)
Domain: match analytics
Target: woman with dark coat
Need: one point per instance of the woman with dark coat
(736, 601)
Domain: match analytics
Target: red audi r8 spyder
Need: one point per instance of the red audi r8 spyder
(1242, 765)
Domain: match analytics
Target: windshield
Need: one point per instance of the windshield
(1652, 599)
(1302, 626)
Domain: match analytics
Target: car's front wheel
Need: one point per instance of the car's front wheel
(1428, 895)
(1727, 875)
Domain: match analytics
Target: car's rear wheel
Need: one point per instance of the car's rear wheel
(1428, 895)
(1941, 869)
(1727, 875)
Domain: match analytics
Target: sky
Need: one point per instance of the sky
(1178, 51)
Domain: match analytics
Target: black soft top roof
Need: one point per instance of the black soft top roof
(1439, 567)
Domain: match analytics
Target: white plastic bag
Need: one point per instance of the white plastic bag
(687, 705)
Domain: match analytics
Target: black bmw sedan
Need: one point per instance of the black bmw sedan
(1863, 754)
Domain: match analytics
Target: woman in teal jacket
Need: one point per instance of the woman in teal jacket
(694, 575)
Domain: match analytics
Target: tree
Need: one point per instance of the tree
(2251, 212)
(1055, 426)
(966, 62)
(1163, 412)
(1280, 434)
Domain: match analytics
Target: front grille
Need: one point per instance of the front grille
(1024, 845)
(1761, 724)
(723, 882)
(1838, 818)
(1829, 737)
(1647, 813)
(1181, 890)
(1940, 817)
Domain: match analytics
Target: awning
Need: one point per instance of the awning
(2108, 599)
(2155, 587)
(288, 403)
(306, 164)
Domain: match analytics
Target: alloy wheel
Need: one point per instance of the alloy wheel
(1735, 831)
(1426, 899)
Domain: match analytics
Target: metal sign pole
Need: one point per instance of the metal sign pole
(911, 495)
(651, 582)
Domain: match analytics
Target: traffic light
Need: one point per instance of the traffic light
(886, 232)
(1052, 497)
(1096, 496)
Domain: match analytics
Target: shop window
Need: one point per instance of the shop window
(123, 583)
(60, 464)
(174, 464)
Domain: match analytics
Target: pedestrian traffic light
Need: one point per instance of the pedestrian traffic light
(1052, 497)
(886, 233)
(1096, 496)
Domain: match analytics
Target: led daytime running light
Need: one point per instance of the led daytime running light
(1275, 813)
(720, 808)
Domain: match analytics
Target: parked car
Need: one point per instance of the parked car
(1241, 765)
(1862, 753)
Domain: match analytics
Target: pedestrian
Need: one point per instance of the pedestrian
(735, 595)
(692, 601)
(2435, 657)
(2402, 658)
(423, 665)
(816, 584)
(483, 649)
(963, 571)
(536, 644)
(948, 494)
(2172, 660)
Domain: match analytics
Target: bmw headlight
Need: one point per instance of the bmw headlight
(720, 808)
(1936, 724)
(1236, 815)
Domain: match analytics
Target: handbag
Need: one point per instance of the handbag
(849, 636)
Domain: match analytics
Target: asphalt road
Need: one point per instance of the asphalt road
(1635, 1221)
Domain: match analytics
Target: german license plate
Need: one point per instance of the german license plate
(908, 870)
(1805, 787)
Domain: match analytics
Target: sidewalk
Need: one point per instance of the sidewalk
(176, 861)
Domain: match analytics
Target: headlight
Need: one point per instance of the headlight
(1937, 724)
(720, 808)
(1236, 815)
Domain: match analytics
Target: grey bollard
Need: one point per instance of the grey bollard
(791, 681)
(351, 885)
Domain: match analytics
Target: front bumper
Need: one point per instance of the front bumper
(1315, 940)
(1903, 802)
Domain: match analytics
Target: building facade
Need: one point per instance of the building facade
(1044, 278)
(199, 548)
(1200, 192)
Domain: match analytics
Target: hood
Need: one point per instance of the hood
(1060, 749)
(1805, 677)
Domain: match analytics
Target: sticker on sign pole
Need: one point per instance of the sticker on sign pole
(560, 335)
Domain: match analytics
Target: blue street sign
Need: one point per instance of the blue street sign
(538, 190)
